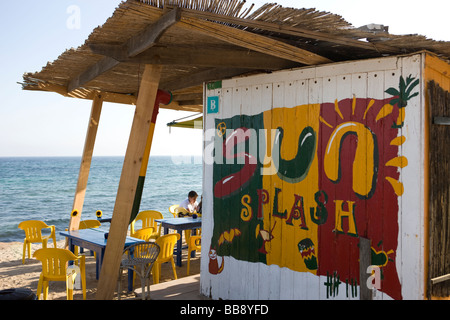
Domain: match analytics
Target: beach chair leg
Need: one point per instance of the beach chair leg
(45, 289)
(173, 268)
(156, 269)
(188, 263)
(69, 293)
(24, 252)
(29, 250)
(83, 281)
(39, 288)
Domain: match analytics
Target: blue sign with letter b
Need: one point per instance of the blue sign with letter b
(213, 104)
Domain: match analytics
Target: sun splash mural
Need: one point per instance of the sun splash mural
(335, 178)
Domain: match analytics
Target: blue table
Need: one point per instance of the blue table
(179, 224)
(94, 240)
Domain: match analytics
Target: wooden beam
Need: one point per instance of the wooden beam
(364, 262)
(152, 33)
(92, 72)
(128, 181)
(200, 57)
(202, 76)
(214, 57)
(87, 94)
(285, 29)
(86, 159)
(132, 47)
(118, 97)
(252, 41)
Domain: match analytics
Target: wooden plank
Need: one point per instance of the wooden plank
(252, 41)
(411, 226)
(86, 159)
(212, 57)
(203, 76)
(364, 263)
(151, 34)
(134, 46)
(440, 279)
(92, 72)
(124, 98)
(199, 57)
(284, 29)
(445, 121)
(128, 181)
(88, 94)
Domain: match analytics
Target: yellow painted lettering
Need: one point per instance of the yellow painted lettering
(350, 215)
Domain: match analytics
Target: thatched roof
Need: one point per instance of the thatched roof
(205, 40)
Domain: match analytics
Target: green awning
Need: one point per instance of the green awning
(195, 123)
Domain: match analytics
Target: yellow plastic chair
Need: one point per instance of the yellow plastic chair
(194, 244)
(166, 244)
(176, 210)
(89, 224)
(173, 209)
(55, 268)
(144, 233)
(33, 234)
(148, 220)
(189, 233)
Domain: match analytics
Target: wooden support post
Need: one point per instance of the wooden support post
(365, 261)
(86, 159)
(164, 98)
(128, 181)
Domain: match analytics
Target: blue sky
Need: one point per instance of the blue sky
(47, 124)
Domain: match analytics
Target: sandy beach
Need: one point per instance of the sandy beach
(14, 274)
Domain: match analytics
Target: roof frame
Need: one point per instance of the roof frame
(135, 45)
(199, 41)
(261, 52)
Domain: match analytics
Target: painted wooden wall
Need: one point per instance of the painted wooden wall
(299, 165)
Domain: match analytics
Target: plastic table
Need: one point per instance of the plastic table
(95, 240)
(179, 224)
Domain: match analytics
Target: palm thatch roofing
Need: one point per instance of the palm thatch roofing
(200, 41)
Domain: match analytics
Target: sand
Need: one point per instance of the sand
(14, 274)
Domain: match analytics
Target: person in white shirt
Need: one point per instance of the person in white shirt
(190, 204)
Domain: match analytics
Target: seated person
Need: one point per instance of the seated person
(190, 204)
(199, 207)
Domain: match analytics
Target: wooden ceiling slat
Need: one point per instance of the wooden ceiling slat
(253, 41)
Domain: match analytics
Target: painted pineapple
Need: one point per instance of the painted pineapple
(402, 95)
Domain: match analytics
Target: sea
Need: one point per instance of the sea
(43, 188)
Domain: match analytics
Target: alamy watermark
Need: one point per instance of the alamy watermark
(73, 276)
(73, 22)
(240, 146)
(374, 280)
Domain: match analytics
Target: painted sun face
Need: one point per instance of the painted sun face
(212, 254)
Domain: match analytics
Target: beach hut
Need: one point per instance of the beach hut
(321, 175)
(280, 81)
